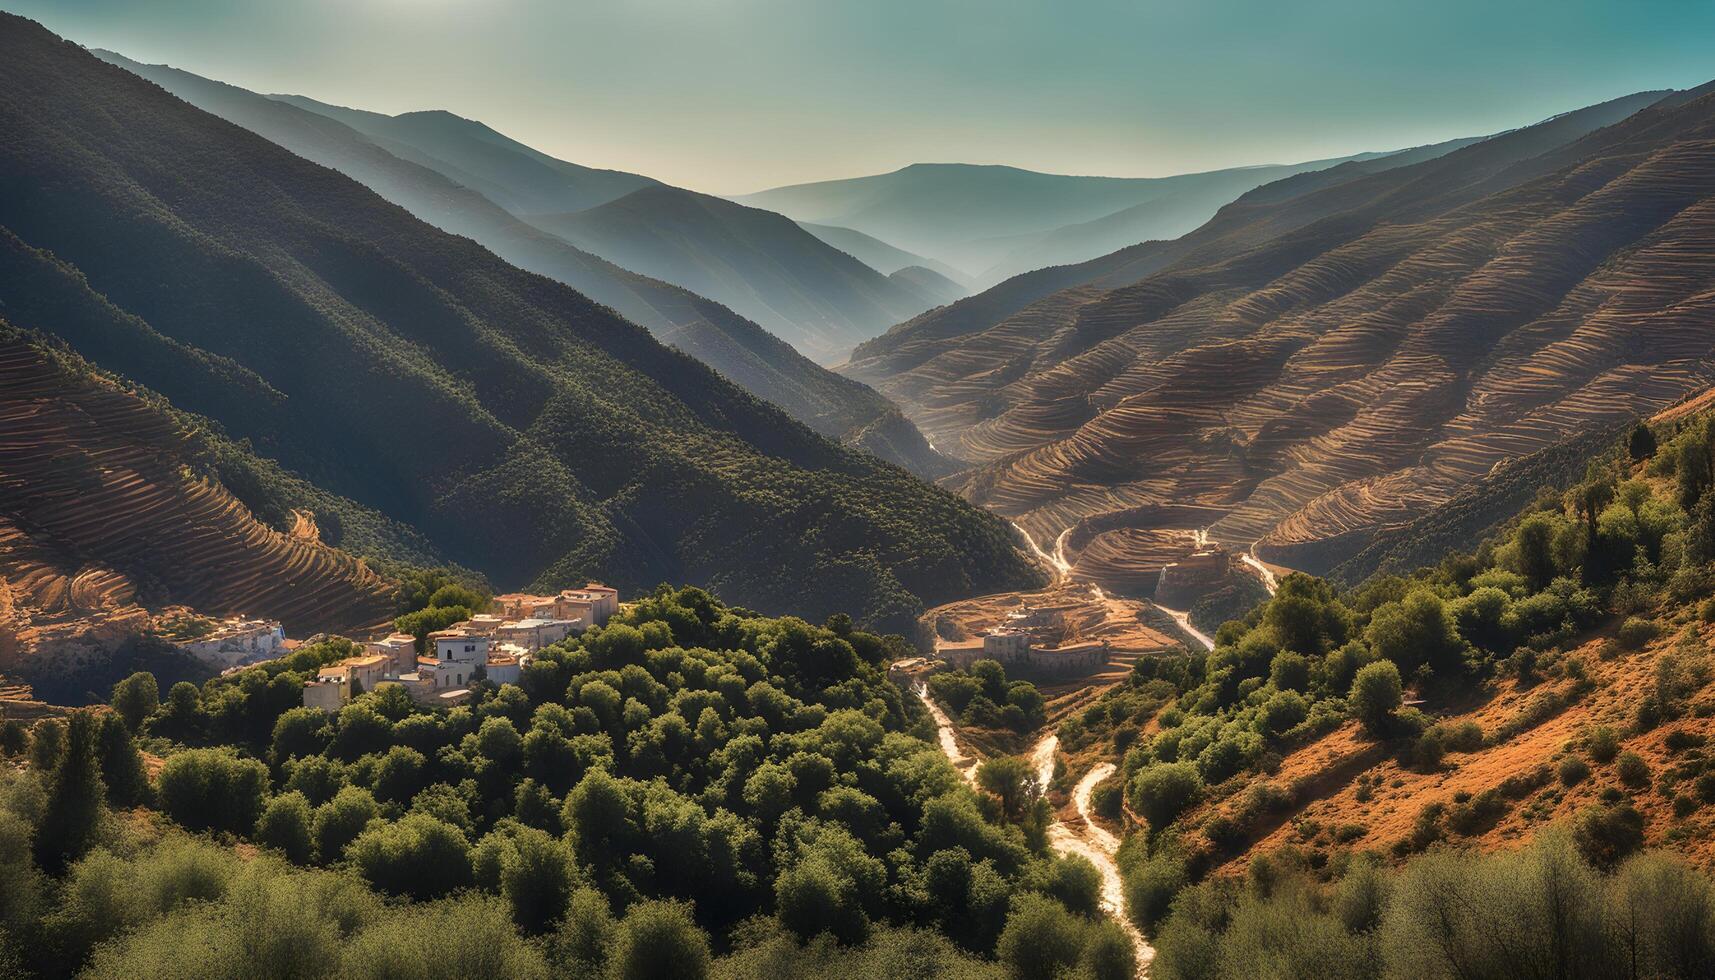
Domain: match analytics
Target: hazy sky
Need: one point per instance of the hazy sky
(739, 95)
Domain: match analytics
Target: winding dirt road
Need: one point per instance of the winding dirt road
(1086, 839)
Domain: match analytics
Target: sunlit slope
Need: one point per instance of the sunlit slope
(1320, 367)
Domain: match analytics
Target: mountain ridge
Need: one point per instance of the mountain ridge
(740, 349)
(420, 375)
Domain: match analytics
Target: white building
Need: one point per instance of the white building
(238, 641)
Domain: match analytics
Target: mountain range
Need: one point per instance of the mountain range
(1331, 354)
(524, 429)
(991, 222)
(762, 266)
(389, 165)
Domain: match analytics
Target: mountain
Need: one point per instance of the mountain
(1312, 368)
(974, 217)
(1258, 216)
(757, 263)
(738, 348)
(928, 283)
(754, 261)
(879, 255)
(1172, 215)
(527, 431)
(519, 178)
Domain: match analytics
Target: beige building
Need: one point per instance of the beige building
(399, 649)
(593, 604)
(534, 634)
(326, 693)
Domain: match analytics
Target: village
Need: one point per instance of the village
(1049, 635)
(495, 646)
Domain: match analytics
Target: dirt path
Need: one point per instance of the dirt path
(1088, 840)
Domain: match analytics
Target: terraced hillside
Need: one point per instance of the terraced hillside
(1313, 368)
(385, 154)
(526, 431)
(103, 518)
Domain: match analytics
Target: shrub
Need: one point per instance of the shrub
(1632, 770)
(1602, 743)
(1283, 711)
(1573, 771)
(1150, 887)
(1040, 939)
(1522, 784)
(659, 939)
(1161, 793)
(1634, 633)
(286, 825)
(417, 856)
(1376, 694)
(213, 789)
(1607, 834)
(1477, 814)
(340, 820)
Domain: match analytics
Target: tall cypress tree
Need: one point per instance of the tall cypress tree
(77, 799)
(121, 764)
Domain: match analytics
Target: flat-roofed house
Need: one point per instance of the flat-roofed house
(506, 664)
(325, 692)
(237, 641)
(534, 634)
(365, 671)
(400, 649)
(459, 644)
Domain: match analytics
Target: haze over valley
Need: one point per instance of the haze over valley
(774, 489)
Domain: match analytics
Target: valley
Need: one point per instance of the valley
(424, 554)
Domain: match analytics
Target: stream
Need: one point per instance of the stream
(1093, 843)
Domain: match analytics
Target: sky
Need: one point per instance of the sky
(732, 96)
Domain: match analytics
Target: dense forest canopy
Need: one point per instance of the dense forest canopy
(690, 787)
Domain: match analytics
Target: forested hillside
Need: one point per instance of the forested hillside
(689, 791)
(528, 432)
(450, 197)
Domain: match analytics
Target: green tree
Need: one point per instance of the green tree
(121, 764)
(1009, 778)
(1041, 938)
(1417, 630)
(287, 826)
(76, 798)
(213, 789)
(416, 856)
(135, 698)
(580, 945)
(657, 940)
(537, 877)
(1641, 444)
(1162, 792)
(340, 820)
(1376, 695)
